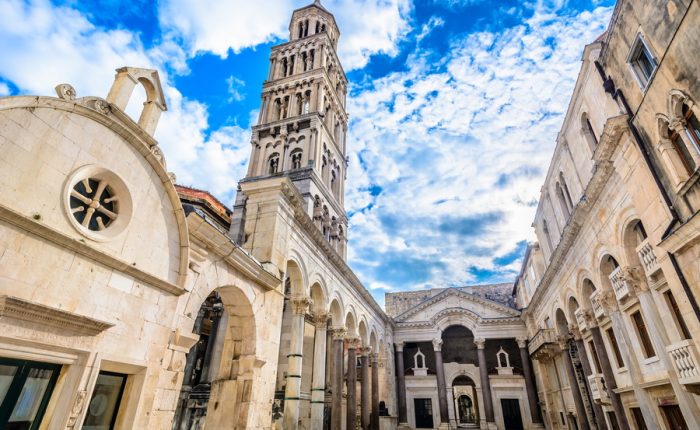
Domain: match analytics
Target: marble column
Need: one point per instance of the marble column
(608, 375)
(485, 381)
(573, 386)
(401, 383)
(212, 357)
(530, 384)
(442, 389)
(351, 407)
(375, 391)
(337, 387)
(365, 399)
(318, 387)
(292, 394)
(588, 371)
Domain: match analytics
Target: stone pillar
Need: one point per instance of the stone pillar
(337, 387)
(608, 375)
(485, 382)
(401, 384)
(292, 394)
(365, 400)
(574, 387)
(442, 389)
(351, 383)
(215, 343)
(588, 371)
(530, 384)
(375, 391)
(318, 388)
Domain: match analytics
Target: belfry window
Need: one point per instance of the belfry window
(642, 62)
(296, 158)
(273, 164)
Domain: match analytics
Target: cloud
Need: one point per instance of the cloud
(220, 26)
(459, 144)
(235, 87)
(4, 89)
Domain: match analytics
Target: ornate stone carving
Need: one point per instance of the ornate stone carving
(437, 344)
(300, 305)
(522, 342)
(12, 308)
(399, 345)
(102, 106)
(608, 302)
(339, 333)
(480, 342)
(66, 92)
(321, 320)
(94, 204)
(158, 153)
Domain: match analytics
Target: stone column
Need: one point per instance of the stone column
(530, 384)
(442, 389)
(588, 371)
(337, 388)
(318, 388)
(365, 400)
(375, 391)
(485, 381)
(292, 394)
(646, 404)
(351, 383)
(401, 384)
(573, 386)
(215, 343)
(608, 375)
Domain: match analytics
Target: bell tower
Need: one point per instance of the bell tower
(302, 124)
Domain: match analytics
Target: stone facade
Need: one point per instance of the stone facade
(609, 293)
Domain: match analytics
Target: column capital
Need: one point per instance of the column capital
(321, 320)
(608, 302)
(437, 345)
(365, 351)
(678, 125)
(480, 342)
(522, 342)
(575, 332)
(373, 357)
(353, 342)
(399, 345)
(339, 333)
(300, 304)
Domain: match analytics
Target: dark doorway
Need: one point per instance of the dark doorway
(26, 390)
(424, 413)
(511, 414)
(674, 417)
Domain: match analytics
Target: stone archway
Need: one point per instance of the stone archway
(466, 403)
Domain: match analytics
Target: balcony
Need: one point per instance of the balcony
(581, 319)
(599, 391)
(543, 343)
(622, 287)
(684, 355)
(648, 258)
(596, 304)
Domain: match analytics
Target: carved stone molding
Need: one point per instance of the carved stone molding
(437, 344)
(480, 342)
(13, 308)
(65, 92)
(522, 342)
(339, 333)
(321, 320)
(399, 346)
(300, 305)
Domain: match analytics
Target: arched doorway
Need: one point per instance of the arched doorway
(465, 401)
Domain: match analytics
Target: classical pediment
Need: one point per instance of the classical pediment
(453, 301)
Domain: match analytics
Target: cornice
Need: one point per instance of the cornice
(14, 308)
(83, 249)
(455, 292)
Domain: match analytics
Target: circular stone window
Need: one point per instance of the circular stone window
(98, 203)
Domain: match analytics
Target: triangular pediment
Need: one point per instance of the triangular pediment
(453, 299)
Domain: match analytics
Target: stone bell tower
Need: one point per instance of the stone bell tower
(302, 125)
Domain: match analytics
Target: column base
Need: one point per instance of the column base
(404, 426)
(488, 426)
(444, 426)
(537, 426)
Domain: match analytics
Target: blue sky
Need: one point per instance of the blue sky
(454, 104)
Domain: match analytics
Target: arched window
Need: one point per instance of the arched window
(306, 28)
(562, 201)
(693, 125)
(285, 67)
(682, 150)
(273, 163)
(640, 232)
(565, 190)
(318, 27)
(296, 156)
(334, 182)
(300, 103)
(301, 30)
(547, 235)
(278, 110)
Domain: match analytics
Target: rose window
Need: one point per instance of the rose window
(94, 204)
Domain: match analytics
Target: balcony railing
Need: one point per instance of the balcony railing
(623, 289)
(598, 390)
(581, 319)
(597, 306)
(648, 258)
(684, 355)
(544, 337)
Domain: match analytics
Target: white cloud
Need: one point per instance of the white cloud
(4, 89)
(235, 88)
(460, 145)
(218, 26)
(44, 45)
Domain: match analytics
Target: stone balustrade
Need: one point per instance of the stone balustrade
(542, 339)
(581, 319)
(686, 360)
(623, 289)
(599, 391)
(648, 258)
(598, 309)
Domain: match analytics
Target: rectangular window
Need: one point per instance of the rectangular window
(615, 347)
(644, 339)
(677, 316)
(613, 421)
(25, 391)
(674, 417)
(596, 360)
(638, 418)
(642, 62)
(104, 404)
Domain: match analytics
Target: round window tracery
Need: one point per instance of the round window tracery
(97, 203)
(94, 204)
